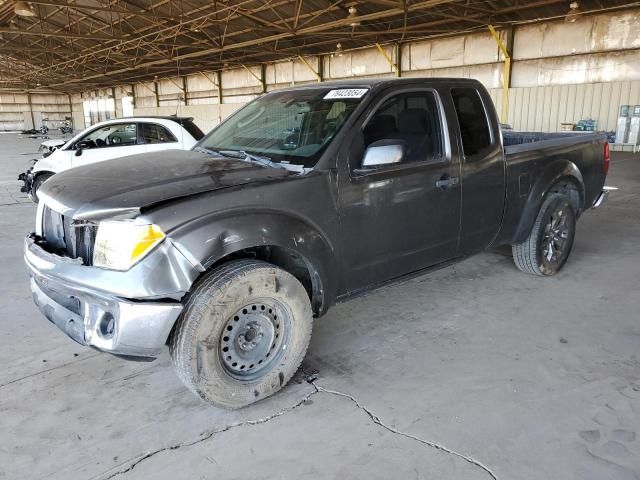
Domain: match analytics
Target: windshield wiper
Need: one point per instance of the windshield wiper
(250, 157)
(260, 160)
(242, 155)
(206, 150)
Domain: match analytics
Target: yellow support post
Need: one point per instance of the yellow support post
(506, 75)
(306, 64)
(394, 67)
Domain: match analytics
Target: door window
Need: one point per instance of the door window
(154, 133)
(473, 120)
(110, 136)
(413, 120)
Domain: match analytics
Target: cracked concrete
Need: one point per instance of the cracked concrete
(428, 443)
(208, 435)
(305, 400)
(527, 377)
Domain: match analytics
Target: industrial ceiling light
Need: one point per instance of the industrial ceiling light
(339, 51)
(23, 9)
(574, 12)
(353, 15)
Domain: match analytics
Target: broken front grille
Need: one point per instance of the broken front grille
(67, 237)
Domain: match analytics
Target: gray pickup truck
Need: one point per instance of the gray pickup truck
(305, 197)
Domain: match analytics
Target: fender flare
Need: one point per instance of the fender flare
(207, 240)
(557, 172)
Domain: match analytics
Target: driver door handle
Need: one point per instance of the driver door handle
(446, 181)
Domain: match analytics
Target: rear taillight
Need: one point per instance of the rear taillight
(607, 158)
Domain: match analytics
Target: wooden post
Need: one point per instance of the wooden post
(219, 77)
(155, 87)
(310, 68)
(133, 95)
(184, 90)
(33, 121)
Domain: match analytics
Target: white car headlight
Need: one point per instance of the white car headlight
(121, 243)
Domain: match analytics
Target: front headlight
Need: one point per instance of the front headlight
(121, 243)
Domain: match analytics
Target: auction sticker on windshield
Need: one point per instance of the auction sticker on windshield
(346, 93)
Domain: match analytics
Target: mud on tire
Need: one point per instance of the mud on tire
(243, 333)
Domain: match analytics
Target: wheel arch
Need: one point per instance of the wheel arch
(291, 243)
(561, 176)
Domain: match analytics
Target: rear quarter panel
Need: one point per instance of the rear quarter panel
(534, 168)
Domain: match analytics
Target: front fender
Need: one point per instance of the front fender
(556, 172)
(208, 239)
(54, 163)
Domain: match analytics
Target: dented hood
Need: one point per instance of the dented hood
(125, 185)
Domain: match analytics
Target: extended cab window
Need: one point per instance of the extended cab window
(411, 119)
(154, 133)
(472, 118)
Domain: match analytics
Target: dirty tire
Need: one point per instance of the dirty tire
(219, 298)
(37, 183)
(529, 256)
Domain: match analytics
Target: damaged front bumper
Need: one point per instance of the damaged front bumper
(27, 178)
(81, 301)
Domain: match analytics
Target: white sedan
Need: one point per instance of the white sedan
(112, 139)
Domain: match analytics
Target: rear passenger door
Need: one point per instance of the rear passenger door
(483, 168)
(401, 217)
(157, 137)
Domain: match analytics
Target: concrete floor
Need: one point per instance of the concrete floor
(473, 372)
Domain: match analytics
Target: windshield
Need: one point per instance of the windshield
(290, 126)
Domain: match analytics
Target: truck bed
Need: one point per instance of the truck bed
(521, 141)
(533, 159)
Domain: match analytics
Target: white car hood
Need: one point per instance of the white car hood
(54, 142)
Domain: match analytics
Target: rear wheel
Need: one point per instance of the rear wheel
(37, 183)
(547, 248)
(244, 332)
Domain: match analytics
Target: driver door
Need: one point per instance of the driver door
(106, 143)
(400, 208)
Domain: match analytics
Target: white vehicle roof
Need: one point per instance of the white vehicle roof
(174, 124)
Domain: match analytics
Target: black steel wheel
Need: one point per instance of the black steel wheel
(547, 248)
(243, 333)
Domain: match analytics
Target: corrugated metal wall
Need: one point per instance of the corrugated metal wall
(562, 72)
(205, 116)
(49, 108)
(545, 108)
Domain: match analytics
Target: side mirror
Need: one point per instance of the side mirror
(382, 153)
(80, 146)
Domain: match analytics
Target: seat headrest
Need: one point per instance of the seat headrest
(413, 121)
(382, 123)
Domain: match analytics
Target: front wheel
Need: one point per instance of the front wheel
(547, 248)
(243, 333)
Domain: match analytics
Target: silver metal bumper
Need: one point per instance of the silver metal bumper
(93, 313)
(604, 194)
